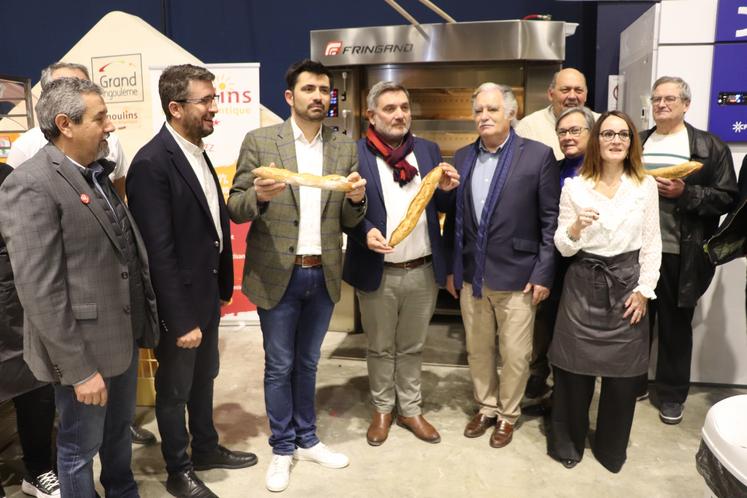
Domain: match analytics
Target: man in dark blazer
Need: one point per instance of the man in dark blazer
(175, 196)
(396, 287)
(294, 259)
(82, 277)
(501, 229)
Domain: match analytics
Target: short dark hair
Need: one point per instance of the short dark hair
(174, 82)
(306, 65)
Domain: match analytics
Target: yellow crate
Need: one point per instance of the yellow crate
(146, 374)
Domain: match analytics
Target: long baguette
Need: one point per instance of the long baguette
(676, 171)
(326, 182)
(417, 205)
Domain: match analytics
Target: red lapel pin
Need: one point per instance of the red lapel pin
(85, 199)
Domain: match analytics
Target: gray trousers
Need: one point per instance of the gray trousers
(395, 319)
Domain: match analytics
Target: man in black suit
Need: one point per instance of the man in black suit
(175, 196)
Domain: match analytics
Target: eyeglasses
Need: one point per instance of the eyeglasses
(574, 131)
(206, 101)
(668, 99)
(609, 135)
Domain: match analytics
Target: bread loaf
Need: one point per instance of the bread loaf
(327, 182)
(676, 171)
(417, 205)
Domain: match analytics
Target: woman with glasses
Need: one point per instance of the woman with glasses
(609, 223)
(572, 128)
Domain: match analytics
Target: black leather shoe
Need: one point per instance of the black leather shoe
(142, 436)
(187, 485)
(223, 458)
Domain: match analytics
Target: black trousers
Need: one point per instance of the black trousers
(544, 320)
(569, 426)
(675, 331)
(35, 419)
(184, 380)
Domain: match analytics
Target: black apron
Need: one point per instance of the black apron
(591, 336)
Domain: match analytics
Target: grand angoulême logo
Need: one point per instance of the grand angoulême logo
(119, 76)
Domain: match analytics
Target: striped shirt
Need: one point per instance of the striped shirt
(667, 150)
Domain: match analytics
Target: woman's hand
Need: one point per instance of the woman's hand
(635, 307)
(585, 218)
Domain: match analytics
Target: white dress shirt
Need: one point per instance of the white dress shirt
(628, 221)
(397, 199)
(196, 158)
(31, 142)
(309, 158)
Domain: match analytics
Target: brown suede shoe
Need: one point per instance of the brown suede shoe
(379, 428)
(419, 426)
(502, 434)
(478, 425)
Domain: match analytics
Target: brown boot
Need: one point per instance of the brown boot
(379, 428)
(419, 426)
(502, 434)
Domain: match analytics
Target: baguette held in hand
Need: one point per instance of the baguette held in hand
(417, 205)
(326, 182)
(676, 171)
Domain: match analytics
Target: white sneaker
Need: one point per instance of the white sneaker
(278, 473)
(322, 455)
(42, 486)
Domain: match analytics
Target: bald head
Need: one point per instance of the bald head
(567, 90)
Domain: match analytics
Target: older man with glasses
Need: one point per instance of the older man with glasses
(689, 212)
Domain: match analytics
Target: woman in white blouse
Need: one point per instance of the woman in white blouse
(609, 222)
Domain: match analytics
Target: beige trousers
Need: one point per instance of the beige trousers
(511, 316)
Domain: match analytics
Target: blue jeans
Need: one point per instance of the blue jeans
(85, 430)
(293, 332)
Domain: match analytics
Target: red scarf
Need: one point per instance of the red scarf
(403, 171)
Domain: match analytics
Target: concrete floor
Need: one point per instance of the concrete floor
(661, 459)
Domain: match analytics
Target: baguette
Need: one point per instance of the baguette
(416, 207)
(327, 182)
(676, 171)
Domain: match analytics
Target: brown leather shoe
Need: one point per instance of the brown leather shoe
(478, 425)
(502, 434)
(379, 428)
(419, 426)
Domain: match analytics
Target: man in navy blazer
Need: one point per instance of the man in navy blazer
(500, 229)
(176, 199)
(396, 286)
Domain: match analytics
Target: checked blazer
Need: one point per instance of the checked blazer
(70, 273)
(271, 242)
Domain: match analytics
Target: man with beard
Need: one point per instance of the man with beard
(82, 278)
(396, 287)
(176, 198)
(567, 89)
(294, 258)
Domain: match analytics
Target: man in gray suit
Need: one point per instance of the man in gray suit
(294, 258)
(82, 278)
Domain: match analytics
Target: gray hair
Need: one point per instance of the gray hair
(382, 87)
(63, 96)
(583, 110)
(509, 99)
(46, 74)
(685, 93)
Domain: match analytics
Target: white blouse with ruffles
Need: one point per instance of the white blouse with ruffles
(627, 222)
